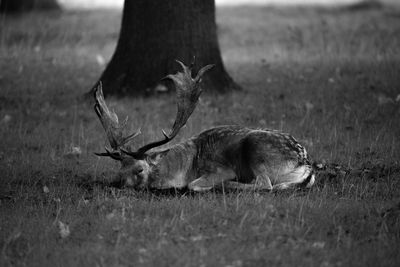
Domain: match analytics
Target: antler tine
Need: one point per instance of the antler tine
(187, 93)
(109, 120)
(112, 154)
(202, 71)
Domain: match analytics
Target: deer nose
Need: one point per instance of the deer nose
(139, 170)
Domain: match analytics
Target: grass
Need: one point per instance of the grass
(329, 77)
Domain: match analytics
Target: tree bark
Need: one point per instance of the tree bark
(156, 32)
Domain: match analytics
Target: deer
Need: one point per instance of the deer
(228, 156)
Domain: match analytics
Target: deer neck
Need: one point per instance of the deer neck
(173, 167)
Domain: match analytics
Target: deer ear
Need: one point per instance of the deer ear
(156, 157)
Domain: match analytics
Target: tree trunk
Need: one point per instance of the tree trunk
(156, 32)
(18, 6)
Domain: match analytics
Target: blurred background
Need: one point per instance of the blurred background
(119, 3)
(327, 72)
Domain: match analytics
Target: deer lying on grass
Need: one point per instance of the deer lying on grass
(233, 157)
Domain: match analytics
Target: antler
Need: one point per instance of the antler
(111, 125)
(187, 91)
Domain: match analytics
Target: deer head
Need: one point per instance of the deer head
(136, 165)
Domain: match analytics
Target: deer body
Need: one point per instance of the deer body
(230, 156)
(226, 156)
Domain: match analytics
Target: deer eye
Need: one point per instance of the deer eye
(139, 170)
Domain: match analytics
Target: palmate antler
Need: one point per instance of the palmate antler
(187, 90)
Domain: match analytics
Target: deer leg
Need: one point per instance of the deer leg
(261, 183)
(210, 180)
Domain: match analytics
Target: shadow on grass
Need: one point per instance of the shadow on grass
(117, 188)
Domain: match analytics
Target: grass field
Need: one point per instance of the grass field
(331, 77)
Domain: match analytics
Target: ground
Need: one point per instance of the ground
(330, 77)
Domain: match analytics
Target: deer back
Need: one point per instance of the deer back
(242, 149)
